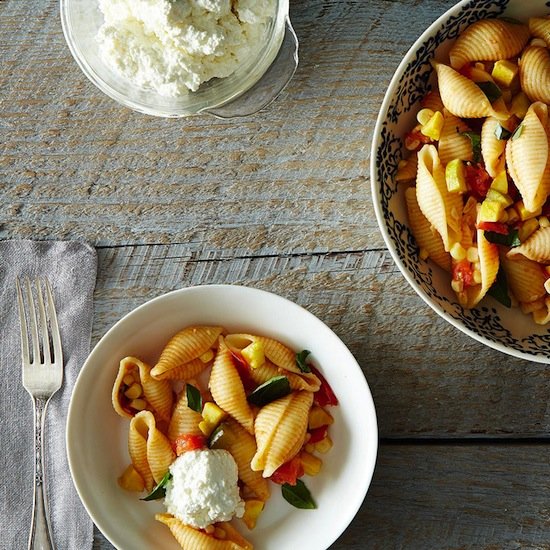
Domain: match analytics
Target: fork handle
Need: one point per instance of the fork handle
(40, 536)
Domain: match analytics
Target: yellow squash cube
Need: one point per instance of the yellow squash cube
(500, 183)
(433, 127)
(254, 354)
(490, 211)
(252, 510)
(212, 415)
(455, 177)
(504, 72)
(311, 463)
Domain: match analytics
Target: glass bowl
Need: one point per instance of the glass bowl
(276, 60)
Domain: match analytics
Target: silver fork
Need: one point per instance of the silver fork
(42, 377)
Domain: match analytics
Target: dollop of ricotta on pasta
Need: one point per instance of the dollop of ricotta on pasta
(172, 46)
(203, 489)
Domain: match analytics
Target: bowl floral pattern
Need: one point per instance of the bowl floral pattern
(507, 330)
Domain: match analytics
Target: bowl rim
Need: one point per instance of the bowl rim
(375, 186)
(269, 52)
(369, 460)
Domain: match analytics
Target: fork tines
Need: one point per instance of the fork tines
(44, 350)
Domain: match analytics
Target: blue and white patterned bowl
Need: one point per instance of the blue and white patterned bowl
(507, 330)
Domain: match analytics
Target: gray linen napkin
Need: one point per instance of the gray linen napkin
(71, 268)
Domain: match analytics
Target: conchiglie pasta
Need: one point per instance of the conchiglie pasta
(453, 144)
(268, 370)
(280, 430)
(540, 27)
(536, 247)
(190, 538)
(135, 389)
(534, 72)
(185, 346)
(149, 449)
(527, 156)
(492, 148)
(488, 40)
(427, 238)
(227, 388)
(525, 278)
(462, 97)
(441, 208)
(184, 420)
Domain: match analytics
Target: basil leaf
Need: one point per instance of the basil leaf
(490, 89)
(502, 133)
(499, 289)
(301, 360)
(298, 495)
(274, 388)
(475, 140)
(512, 239)
(517, 132)
(194, 398)
(160, 490)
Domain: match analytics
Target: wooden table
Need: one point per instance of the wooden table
(281, 201)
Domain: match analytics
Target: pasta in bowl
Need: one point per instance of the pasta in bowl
(460, 172)
(193, 381)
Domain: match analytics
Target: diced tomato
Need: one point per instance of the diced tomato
(289, 472)
(416, 136)
(324, 396)
(495, 227)
(478, 180)
(318, 434)
(244, 372)
(462, 271)
(188, 442)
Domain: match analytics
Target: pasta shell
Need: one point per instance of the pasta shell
(441, 208)
(492, 148)
(536, 247)
(227, 388)
(540, 27)
(452, 143)
(280, 429)
(188, 344)
(187, 371)
(488, 40)
(525, 278)
(534, 73)
(268, 370)
(462, 97)
(432, 101)
(150, 450)
(488, 265)
(184, 420)
(243, 448)
(190, 538)
(427, 238)
(157, 393)
(527, 157)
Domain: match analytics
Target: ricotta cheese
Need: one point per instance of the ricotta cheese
(173, 46)
(203, 489)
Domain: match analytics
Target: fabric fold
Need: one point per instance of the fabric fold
(71, 268)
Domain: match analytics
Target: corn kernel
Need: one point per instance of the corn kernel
(544, 221)
(423, 254)
(209, 529)
(424, 116)
(138, 404)
(472, 254)
(128, 379)
(547, 269)
(477, 276)
(457, 286)
(207, 356)
(134, 391)
(219, 533)
(538, 42)
(458, 252)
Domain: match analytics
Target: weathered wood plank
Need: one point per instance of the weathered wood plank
(451, 497)
(293, 178)
(427, 378)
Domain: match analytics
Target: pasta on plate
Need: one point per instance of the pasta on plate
(477, 181)
(244, 394)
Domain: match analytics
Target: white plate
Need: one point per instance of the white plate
(96, 435)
